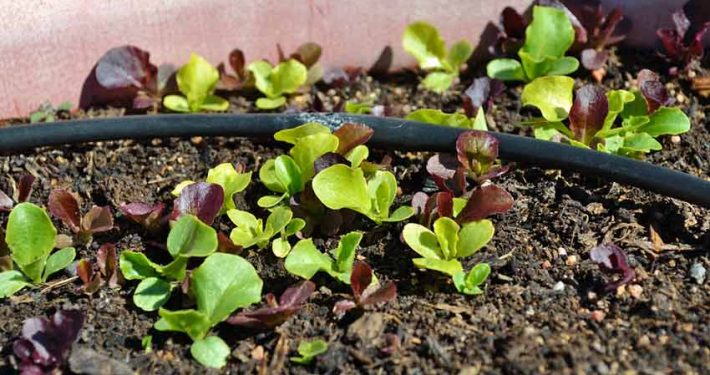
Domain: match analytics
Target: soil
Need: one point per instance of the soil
(543, 310)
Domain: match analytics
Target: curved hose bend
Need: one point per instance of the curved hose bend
(390, 133)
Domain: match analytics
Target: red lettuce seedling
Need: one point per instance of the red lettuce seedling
(612, 259)
(45, 343)
(652, 90)
(683, 44)
(365, 292)
(511, 34)
(6, 202)
(64, 206)
(602, 32)
(477, 151)
(23, 190)
(150, 216)
(480, 95)
(200, 199)
(277, 312)
(238, 64)
(108, 271)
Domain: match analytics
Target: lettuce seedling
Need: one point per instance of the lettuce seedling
(547, 39)
(22, 192)
(511, 31)
(48, 113)
(200, 199)
(221, 284)
(108, 271)
(479, 96)
(277, 81)
(45, 343)
(189, 237)
(309, 350)
(440, 249)
(65, 206)
(197, 81)
(149, 216)
(307, 54)
(423, 42)
(238, 64)
(602, 31)
(231, 179)
(30, 237)
(470, 283)
(454, 120)
(251, 231)
(305, 260)
(612, 259)
(592, 115)
(366, 291)
(683, 44)
(276, 312)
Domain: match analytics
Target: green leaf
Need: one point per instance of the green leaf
(11, 282)
(211, 352)
(293, 135)
(294, 226)
(340, 186)
(459, 53)
(289, 174)
(197, 80)
(309, 148)
(270, 103)
(423, 42)
(30, 236)
(288, 76)
(636, 107)
(563, 66)
(438, 82)
(249, 229)
(459, 204)
(136, 266)
(214, 103)
(422, 240)
(308, 350)
(447, 234)
(400, 214)
(268, 177)
(641, 142)
(176, 103)
(478, 275)
(549, 34)
(551, 95)
(269, 201)
(175, 270)
(58, 261)
(194, 323)
(345, 252)
(437, 117)
(505, 70)
(231, 181)
(278, 219)
(224, 283)
(261, 70)
(382, 188)
(280, 247)
(617, 100)
(666, 121)
(357, 155)
(473, 236)
(449, 267)
(190, 237)
(305, 260)
(152, 293)
(358, 108)
(479, 122)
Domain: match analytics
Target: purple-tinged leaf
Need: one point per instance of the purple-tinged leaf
(5, 202)
(481, 94)
(683, 44)
(238, 63)
(226, 245)
(652, 90)
(360, 278)
(379, 293)
(419, 201)
(108, 265)
(593, 59)
(364, 291)
(200, 199)
(513, 23)
(382, 64)
(588, 113)
(147, 215)
(65, 207)
(125, 66)
(227, 81)
(440, 204)
(97, 220)
(45, 343)
(612, 259)
(328, 160)
(24, 188)
(352, 135)
(343, 306)
(476, 151)
(446, 172)
(275, 314)
(484, 202)
(307, 53)
(92, 280)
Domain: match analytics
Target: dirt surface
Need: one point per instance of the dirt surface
(542, 312)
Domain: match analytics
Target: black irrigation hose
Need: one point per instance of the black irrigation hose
(390, 133)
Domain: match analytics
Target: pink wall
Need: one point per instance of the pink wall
(48, 47)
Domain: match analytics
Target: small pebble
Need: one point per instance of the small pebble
(559, 287)
(643, 341)
(546, 264)
(571, 260)
(598, 315)
(561, 252)
(698, 272)
(635, 291)
(675, 139)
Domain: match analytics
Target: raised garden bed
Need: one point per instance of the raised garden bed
(544, 308)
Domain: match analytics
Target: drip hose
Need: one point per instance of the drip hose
(390, 134)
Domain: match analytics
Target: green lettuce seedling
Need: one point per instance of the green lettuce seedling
(305, 260)
(589, 118)
(441, 249)
(423, 42)
(340, 186)
(197, 81)
(226, 176)
(251, 231)
(454, 120)
(222, 284)
(547, 39)
(276, 81)
(308, 350)
(470, 283)
(189, 237)
(31, 236)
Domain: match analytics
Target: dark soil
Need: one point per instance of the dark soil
(542, 312)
